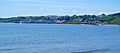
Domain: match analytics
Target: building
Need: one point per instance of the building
(102, 15)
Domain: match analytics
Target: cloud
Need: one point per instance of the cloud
(18, 0)
(36, 1)
(50, 3)
(60, 9)
(103, 12)
(75, 11)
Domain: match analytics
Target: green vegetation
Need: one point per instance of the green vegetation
(75, 19)
(111, 19)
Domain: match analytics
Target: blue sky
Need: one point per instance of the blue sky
(9, 8)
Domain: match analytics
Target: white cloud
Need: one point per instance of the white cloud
(75, 11)
(60, 9)
(102, 12)
(50, 3)
(40, 1)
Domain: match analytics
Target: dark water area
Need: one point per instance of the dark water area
(56, 38)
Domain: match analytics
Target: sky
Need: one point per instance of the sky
(11, 8)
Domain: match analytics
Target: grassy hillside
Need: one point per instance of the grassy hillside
(112, 18)
(115, 19)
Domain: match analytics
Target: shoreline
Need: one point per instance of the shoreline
(72, 24)
(110, 24)
(99, 24)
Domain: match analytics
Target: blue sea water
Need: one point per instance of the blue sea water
(54, 38)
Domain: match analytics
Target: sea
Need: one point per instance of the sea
(58, 38)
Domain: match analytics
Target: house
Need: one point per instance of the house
(102, 15)
(60, 21)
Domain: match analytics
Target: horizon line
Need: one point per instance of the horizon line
(61, 15)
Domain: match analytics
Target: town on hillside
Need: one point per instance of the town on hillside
(54, 19)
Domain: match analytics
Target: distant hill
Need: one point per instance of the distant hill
(75, 19)
(115, 18)
(111, 19)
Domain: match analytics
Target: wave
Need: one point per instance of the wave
(10, 49)
(94, 51)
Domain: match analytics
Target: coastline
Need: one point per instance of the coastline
(110, 24)
(99, 24)
(71, 24)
